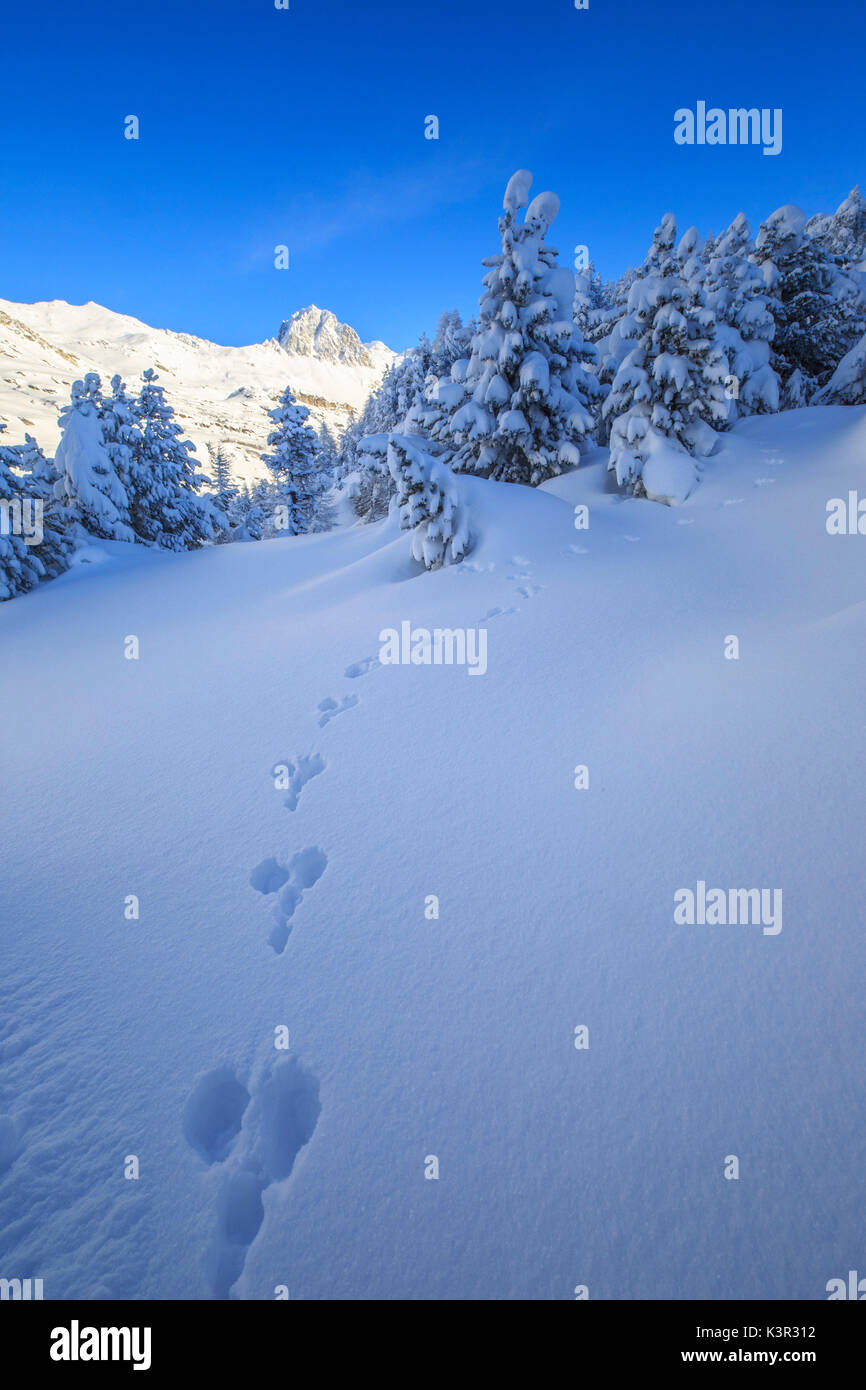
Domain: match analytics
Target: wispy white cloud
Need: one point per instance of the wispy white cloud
(365, 202)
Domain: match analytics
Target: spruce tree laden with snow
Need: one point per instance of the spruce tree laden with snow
(293, 463)
(406, 401)
(347, 448)
(38, 478)
(737, 296)
(669, 387)
(165, 509)
(817, 306)
(120, 433)
(328, 451)
(713, 405)
(92, 496)
(221, 469)
(371, 487)
(324, 517)
(843, 233)
(517, 407)
(847, 385)
(246, 518)
(368, 492)
(410, 376)
(594, 303)
(427, 368)
(270, 502)
(20, 567)
(368, 482)
(429, 503)
(450, 342)
(224, 492)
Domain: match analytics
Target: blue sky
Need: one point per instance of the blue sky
(305, 127)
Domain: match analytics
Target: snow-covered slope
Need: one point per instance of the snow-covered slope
(411, 1037)
(220, 394)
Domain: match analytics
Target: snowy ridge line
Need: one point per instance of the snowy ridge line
(222, 394)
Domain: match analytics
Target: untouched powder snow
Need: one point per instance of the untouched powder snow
(302, 905)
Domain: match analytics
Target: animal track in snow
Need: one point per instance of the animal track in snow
(290, 884)
(576, 550)
(240, 1213)
(733, 501)
(528, 590)
(264, 1131)
(498, 613)
(300, 773)
(473, 567)
(685, 521)
(627, 537)
(268, 877)
(329, 708)
(213, 1114)
(520, 560)
(360, 668)
(764, 482)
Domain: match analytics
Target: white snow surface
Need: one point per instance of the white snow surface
(220, 394)
(669, 474)
(451, 1037)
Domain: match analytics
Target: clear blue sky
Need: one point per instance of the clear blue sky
(306, 127)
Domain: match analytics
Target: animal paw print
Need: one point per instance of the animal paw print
(289, 884)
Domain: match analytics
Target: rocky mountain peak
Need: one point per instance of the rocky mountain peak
(314, 332)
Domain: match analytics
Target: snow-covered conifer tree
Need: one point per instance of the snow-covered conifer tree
(711, 406)
(347, 449)
(843, 233)
(429, 501)
(224, 492)
(847, 385)
(326, 461)
(117, 415)
(269, 499)
(352, 464)
(594, 303)
(736, 294)
(670, 383)
(20, 566)
(411, 375)
(385, 407)
(92, 496)
(450, 342)
(293, 462)
(38, 479)
(165, 508)
(221, 470)
(328, 450)
(246, 517)
(517, 407)
(816, 305)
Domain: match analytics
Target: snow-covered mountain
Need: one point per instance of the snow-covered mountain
(221, 394)
(318, 333)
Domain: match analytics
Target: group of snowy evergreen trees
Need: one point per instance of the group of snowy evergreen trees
(702, 334)
(33, 545)
(124, 472)
(295, 497)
